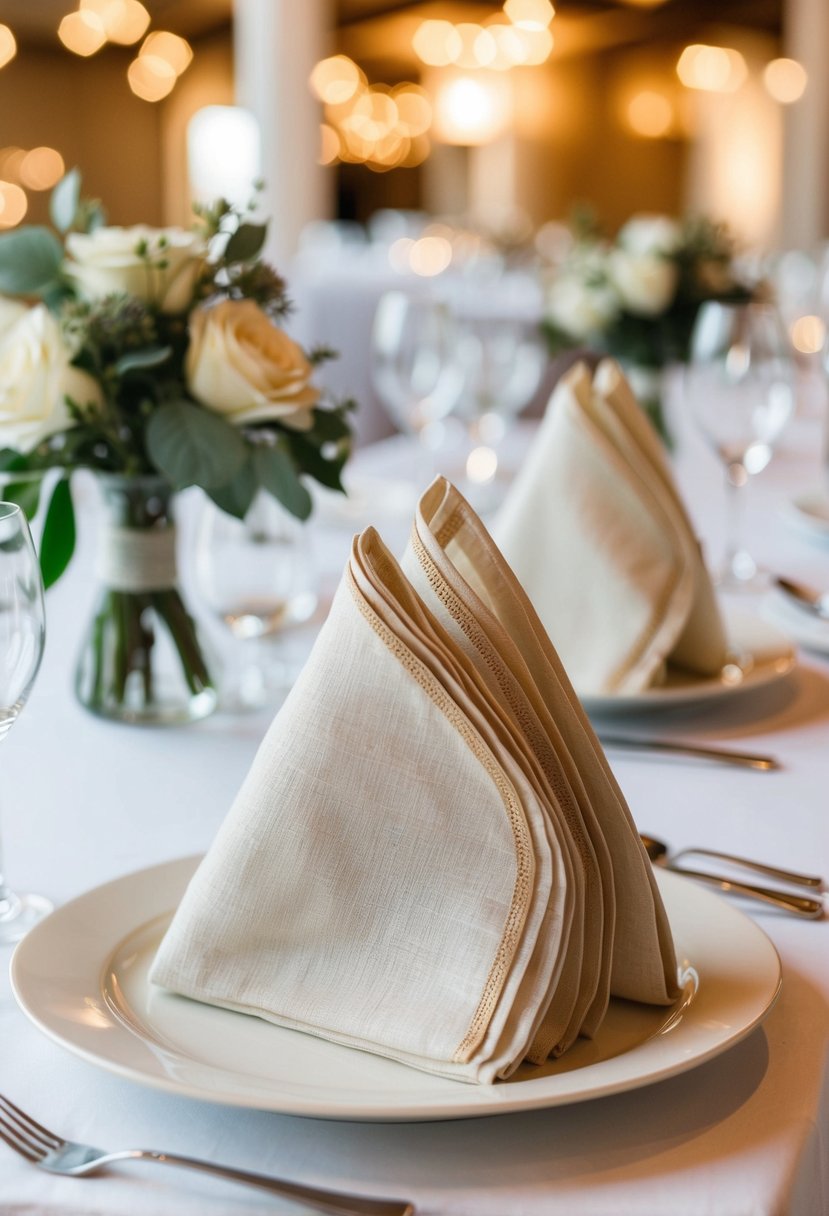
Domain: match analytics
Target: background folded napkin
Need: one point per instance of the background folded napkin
(417, 864)
(597, 534)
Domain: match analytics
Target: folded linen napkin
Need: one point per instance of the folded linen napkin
(418, 863)
(597, 534)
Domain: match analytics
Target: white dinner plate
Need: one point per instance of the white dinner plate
(809, 513)
(81, 976)
(760, 654)
(807, 630)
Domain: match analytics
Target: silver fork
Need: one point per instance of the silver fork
(43, 1148)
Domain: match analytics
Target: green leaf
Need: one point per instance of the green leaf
(64, 200)
(25, 493)
(309, 458)
(235, 497)
(30, 260)
(11, 460)
(193, 447)
(138, 360)
(246, 242)
(57, 543)
(277, 474)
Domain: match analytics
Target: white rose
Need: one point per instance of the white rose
(10, 311)
(650, 234)
(581, 308)
(243, 366)
(157, 265)
(645, 282)
(35, 379)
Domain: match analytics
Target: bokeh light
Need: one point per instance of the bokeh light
(713, 69)
(649, 114)
(41, 168)
(335, 80)
(8, 45)
(530, 14)
(174, 50)
(785, 80)
(82, 33)
(808, 335)
(437, 43)
(151, 78)
(13, 204)
(430, 255)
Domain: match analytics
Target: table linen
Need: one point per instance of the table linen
(746, 1134)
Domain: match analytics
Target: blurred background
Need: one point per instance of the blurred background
(416, 133)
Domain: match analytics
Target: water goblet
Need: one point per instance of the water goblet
(414, 369)
(257, 577)
(501, 362)
(22, 635)
(739, 386)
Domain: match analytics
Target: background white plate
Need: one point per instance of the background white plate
(762, 654)
(80, 975)
(809, 513)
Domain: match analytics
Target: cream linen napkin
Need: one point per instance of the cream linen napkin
(596, 533)
(416, 865)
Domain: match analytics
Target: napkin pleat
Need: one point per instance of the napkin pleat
(429, 858)
(596, 533)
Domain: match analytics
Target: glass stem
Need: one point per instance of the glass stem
(738, 561)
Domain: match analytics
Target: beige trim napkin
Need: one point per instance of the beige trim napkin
(597, 534)
(416, 864)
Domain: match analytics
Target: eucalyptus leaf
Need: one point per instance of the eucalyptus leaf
(235, 497)
(64, 200)
(246, 242)
(140, 360)
(192, 446)
(25, 493)
(57, 543)
(30, 260)
(276, 473)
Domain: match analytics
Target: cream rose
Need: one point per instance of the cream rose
(36, 377)
(243, 366)
(580, 307)
(646, 282)
(111, 260)
(650, 234)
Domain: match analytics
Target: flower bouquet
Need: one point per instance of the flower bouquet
(154, 358)
(637, 297)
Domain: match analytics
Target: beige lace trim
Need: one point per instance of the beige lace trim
(522, 889)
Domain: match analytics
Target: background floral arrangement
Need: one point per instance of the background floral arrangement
(154, 351)
(637, 297)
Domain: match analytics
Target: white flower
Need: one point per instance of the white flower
(646, 282)
(157, 265)
(243, 366)
(36, 377)
(649, 235)
(10, 311)
(581, 305)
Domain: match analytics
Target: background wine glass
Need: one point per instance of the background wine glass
(414, 369)
(257, 576)
(739, 386)
(22, 635)
(501, 362)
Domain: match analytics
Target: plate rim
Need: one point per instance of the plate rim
(472, 1101)
(704, 690)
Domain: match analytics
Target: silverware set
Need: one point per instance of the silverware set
(801, 905)
(51, 1152)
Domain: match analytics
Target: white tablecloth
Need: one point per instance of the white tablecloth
(746, 1134)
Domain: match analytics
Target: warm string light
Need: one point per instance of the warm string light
(8, 45)
(519, 37)
(22, 170)
(376, 125)
(163, 57)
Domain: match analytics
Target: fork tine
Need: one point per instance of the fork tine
(28, 1124)
(14, 1140)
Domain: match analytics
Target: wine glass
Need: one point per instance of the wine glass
(256, 574)
(22, 634)
(501, 362)
(414, 370)
(739, 385)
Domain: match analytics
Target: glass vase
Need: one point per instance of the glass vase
(648, 386)
(142, 659)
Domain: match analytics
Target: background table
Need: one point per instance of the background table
(746, 1134)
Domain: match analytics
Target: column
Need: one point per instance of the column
(806, 163)
(276, 44)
